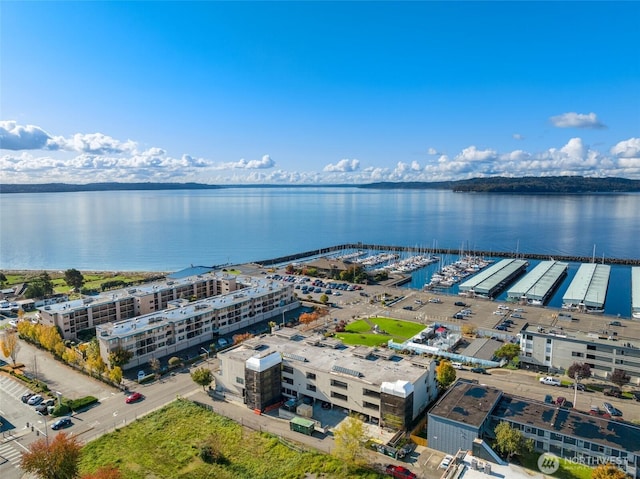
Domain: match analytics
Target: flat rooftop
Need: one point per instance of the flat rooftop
(188, 309)
(539, 282)
(635, 289)
(589, 286)
(467, 403)
(488, 279)
(617, 434)
(330, 359)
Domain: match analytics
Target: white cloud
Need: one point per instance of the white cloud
(18, 137)
(577, 120)
(92, 143)
(518, 136)
(343, 166)
(265, 162)
(627, 149)
(472, 154)
(432, 151)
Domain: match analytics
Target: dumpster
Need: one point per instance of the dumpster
(300, 424)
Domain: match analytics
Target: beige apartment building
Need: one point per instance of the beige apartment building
(184, 324)
(78, 315)
(377, 383)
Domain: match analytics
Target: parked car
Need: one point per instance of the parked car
(399, 472)
(517, 316)
(615, 323)
(550, 381)
(561, 401)
(594, 411)
(61, 423)
(35, 400)
(478, 370)
(611, 410)
(580, 387)
(548, 399)
(636, 395)
(133, 397)
(460, 303)
(25, 397)
(446, 461)
(612, 392)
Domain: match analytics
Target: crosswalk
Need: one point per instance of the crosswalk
(12, 387)
(9, 454)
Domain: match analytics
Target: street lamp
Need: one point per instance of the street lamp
(575, 390)
(205, 352)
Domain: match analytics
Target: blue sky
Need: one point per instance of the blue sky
(317, 92)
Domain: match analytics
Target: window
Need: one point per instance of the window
(287, 369)
(338, 384)
(548, 341)
(311, 387)
(547, 358)
(338, 396)
(287, 380)
(577, 354)
(311, 376)
(591, 347)
(369, 405)
(240, 380)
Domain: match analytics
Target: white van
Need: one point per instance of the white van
(456, 365)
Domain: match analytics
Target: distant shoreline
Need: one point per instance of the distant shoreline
(522, 185)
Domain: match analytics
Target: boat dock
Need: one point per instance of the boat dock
(538, 285)
(588, 290)
(493, 280)
(635, 292)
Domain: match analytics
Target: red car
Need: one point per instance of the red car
(133, 397)
(400, 472)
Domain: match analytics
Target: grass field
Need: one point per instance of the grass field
(360, 333)
(166, 444)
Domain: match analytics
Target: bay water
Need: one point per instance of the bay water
(170, 230)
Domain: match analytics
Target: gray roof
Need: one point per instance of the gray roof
(467, 403)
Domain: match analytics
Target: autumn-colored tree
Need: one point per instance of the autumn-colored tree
(469, 329)
(96, 365)
(48, 337)
(608, 471)
(9, 345)
(238, 338)
(308, 318)
(154, 364)
(290, 269)
(445, 374)
(55, 460)
(202, 376)
(119, 357)
(579, 370)
(106, 472)
(349, 439)
(619, 377)
(115, 374)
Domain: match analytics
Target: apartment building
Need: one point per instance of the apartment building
(608, 346)
(72, 317)
(469, 411)
(377, 383)
(184, 324)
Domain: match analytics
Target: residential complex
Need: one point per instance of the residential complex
(72, 317)
(189, 323)
(555, 348)
(377, 383)
(469, 411)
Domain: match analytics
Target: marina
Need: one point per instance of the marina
(538, 285)
(488, 283)
(588, 290)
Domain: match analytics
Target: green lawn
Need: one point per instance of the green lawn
(568, 470)
(359, 332)
(166, 443)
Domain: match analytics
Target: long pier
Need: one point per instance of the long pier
(445, 251)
